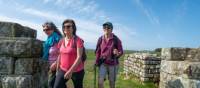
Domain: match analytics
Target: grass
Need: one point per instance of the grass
(120, 83)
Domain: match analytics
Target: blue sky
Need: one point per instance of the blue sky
(141, 24)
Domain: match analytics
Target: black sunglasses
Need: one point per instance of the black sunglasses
(67, 26)
(106, 27)
(46, 30)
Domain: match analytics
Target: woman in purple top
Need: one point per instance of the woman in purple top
(108, 50)
(50, 49)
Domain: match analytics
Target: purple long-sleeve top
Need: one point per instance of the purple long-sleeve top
(106, 50)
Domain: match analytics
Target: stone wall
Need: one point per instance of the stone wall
(180, 68)
(145, 66)
(20, 62)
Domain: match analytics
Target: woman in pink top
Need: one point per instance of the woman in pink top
(70, 63)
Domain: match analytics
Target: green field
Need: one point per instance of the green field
(121, 83)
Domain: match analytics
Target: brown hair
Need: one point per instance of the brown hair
(73, 25)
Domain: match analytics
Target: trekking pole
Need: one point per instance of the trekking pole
(115, 74)
(115, 69)
(95, 70)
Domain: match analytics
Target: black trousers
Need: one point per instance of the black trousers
(77, 79)
(51, 79)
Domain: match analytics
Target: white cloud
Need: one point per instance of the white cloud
(89, 29)
(83, 24)
(83, 30)
(87, 8)
(148, 12)
(45, 14)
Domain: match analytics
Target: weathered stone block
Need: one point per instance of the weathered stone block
(174, 54)
(150, 66)
(193, 54)
(146, 75)
(149, 62)
(17, 82)
(8, 29)
(0, 81)
(174, 81)
(20, 47)
(26, 66)
(187, 69)
(6, 65)
(150, 71)
(42, 74)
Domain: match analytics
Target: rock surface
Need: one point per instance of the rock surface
(21, 65)
(8, 29)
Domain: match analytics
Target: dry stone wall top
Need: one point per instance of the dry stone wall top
(8, 29)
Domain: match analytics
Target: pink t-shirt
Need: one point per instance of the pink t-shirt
(68, 54)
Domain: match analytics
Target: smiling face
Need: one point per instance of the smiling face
(47, 30)
(68, 29)
(107, 30)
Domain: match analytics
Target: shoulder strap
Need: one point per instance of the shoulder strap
(115, 39)
(74, 42)
(98, 44)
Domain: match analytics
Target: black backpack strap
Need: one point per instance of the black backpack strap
(75, 42)
(115, 39)
(115, 46)
(74, 45)
(84, 56)
(98, 44)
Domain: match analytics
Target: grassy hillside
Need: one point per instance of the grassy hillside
(121, 83)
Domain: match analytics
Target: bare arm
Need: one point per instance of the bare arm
(58, 62)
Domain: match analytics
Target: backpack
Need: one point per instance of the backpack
(115, 40)
(84, 55)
